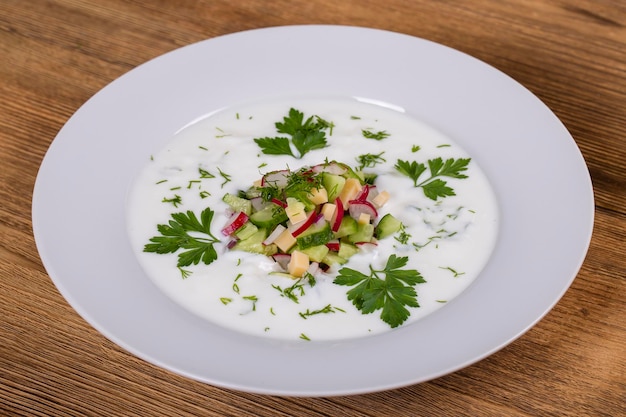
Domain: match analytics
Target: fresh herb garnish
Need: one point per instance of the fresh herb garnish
(304, 135)
(175, 236)
(325, 310)
(369, 134)
(402, 236)
(298, 185)
(454, 272)
(369, 160)
(391, 294)
(176, 200)
(434, 187)
(205, 174)
(225, 176)
(252, 298)
(290, 292)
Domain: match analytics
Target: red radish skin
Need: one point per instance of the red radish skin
(279, 203)
(235, 222)
(333, 245)
(362, 196)
(336, 222)
(275, 178)
(305, 225)
(357, 207)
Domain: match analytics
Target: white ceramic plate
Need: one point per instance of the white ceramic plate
(538, 173)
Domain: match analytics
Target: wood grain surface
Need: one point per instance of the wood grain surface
(54, 55)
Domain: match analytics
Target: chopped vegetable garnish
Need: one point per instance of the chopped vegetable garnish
(315, 215)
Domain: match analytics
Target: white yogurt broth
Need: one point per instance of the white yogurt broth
(451, 239)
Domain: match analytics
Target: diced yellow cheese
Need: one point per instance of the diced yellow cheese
(381, 199)
(298, 264)
(285, 241)
(295, 210)
(328, 211)
(318, 196)
(351, 188)
(364, 218)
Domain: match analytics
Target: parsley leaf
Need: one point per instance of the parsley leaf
(175, 236)
(432, 186)
(274, 146)
(391, 294)
(305, 135)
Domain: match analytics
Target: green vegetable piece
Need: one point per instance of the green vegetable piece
(364, 233)
(317, 234)
(346, 250)
(347, 227)
(387, 226)
(316, 253)
(254, 244)
(333, 184)
(269, 217)
(238, 203)
(245, 231)
(332, 258)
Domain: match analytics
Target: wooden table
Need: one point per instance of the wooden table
(57, 53)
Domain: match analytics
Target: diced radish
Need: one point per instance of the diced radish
(362, 196)
(231, 244)
(331, 168)
(313, 269)
(336, 221)
(372, 192)
(279, 203)
(357, 207)
(366, 246)
(275, 233)
(276, 178)
(282, 259)
(333, 245)
(234, 223)
(300, 227)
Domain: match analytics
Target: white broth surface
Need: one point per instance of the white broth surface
(448, 240)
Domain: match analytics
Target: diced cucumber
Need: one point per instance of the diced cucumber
(351, 173)
(347, 227)
(346, 250)
(387, 226)
(269, 217)
(238, 203)
(364, 233)
(254, 244)
(369, 178)
(317, 234)
(245, 231)
(333, 184)
(316, 253)
(332, 258)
